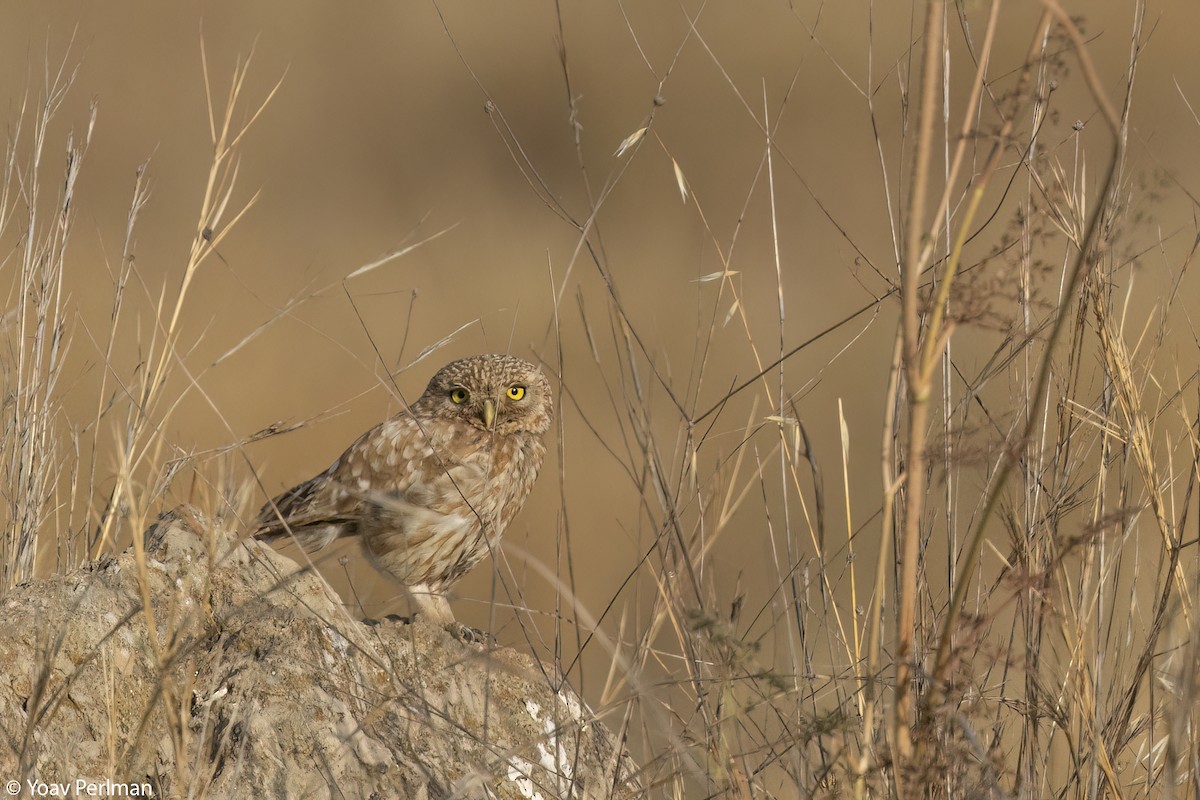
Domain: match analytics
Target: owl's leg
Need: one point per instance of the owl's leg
(431, 606)
(435, 608)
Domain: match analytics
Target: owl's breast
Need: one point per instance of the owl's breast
(519, 459)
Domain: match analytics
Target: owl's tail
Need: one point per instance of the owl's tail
(311, 537)
(298, 515)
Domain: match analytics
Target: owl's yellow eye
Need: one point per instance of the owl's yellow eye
(516, 392)
(458, 396)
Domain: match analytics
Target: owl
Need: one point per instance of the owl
(430, 490)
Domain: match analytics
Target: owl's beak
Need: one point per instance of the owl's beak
(488, 413)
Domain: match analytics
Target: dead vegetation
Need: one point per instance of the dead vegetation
(1007, 614)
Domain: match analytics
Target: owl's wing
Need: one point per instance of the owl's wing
(400, 469)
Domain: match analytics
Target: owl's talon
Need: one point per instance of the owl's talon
(465, 633)
(395, 619)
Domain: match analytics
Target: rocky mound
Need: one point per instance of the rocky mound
(260, 685)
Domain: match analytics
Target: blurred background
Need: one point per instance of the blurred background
(487, 134)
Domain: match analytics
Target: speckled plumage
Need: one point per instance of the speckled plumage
(431, 489)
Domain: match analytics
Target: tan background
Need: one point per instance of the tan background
(378, 134)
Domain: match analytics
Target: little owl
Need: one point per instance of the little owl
(430, 490)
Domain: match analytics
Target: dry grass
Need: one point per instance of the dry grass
(34, 327)
(1000, 674)
(1007, 615)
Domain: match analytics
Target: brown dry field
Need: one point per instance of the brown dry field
(378, 136)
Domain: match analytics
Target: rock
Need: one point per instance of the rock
(260, 685)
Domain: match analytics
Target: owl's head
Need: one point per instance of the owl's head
(499, 393)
